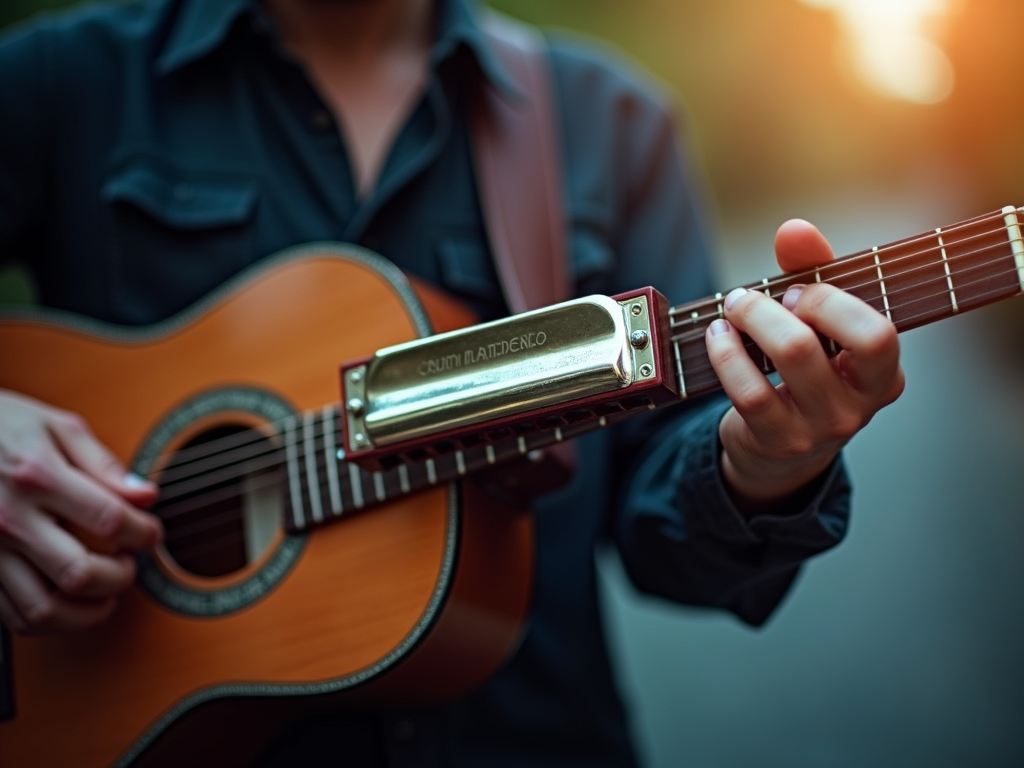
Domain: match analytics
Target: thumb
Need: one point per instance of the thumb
(799, 245)
(137, 490)
(89, 455)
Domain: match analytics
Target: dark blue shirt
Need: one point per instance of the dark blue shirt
(149, 151)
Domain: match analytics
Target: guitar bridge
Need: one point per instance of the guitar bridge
(479, 385)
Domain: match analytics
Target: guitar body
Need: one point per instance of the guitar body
(405, 603)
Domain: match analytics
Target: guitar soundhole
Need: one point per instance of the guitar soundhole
(220, 500)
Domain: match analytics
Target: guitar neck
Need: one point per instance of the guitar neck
(913, 282)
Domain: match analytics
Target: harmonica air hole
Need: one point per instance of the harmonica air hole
(551, 422)
(631, 403)
(390, 462)
(578, 415)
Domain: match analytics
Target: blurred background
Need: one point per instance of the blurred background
(876, 119)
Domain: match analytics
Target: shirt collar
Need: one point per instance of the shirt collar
(203, 25)
(459, 22)
(200, 27)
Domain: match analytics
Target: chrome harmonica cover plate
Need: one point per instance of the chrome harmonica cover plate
(487, 372)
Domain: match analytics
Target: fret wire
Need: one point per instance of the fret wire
(881, 284)
(945, 266)
(1016, 243)
(298, 516)
(331, 460)
(312, 480)
(356, 485)
(681, 379)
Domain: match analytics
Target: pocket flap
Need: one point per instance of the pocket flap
(184, 201)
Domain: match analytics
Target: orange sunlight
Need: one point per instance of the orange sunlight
(893, 46)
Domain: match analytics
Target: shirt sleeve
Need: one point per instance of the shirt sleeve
(679, 534)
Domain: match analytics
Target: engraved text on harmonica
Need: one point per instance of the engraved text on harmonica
(482, 353)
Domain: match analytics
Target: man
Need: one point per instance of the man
(303, 120)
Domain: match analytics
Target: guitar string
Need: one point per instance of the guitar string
(234, 455)
(222, 445)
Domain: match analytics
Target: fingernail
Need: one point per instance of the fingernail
(132, 480)
(791, 296)
(734, 294)
(718, 327)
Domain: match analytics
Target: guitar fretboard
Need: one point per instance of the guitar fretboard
(913, 282)
(322, 486)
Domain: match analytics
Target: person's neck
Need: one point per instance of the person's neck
(354, 31)
(369, 61)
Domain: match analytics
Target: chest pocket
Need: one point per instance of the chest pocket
(176, 236)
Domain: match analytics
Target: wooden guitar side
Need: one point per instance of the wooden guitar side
(411, 602)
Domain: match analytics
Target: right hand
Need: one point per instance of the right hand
(55, 479)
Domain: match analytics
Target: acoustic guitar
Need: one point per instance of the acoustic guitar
(339, 553)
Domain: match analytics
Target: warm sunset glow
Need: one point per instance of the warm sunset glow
(892, 46)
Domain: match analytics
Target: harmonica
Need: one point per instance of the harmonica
(508, 377)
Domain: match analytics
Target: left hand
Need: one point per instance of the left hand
(777, 439)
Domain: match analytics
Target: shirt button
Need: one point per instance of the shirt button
(320, 120)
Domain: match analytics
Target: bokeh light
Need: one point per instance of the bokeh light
(891, 46)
